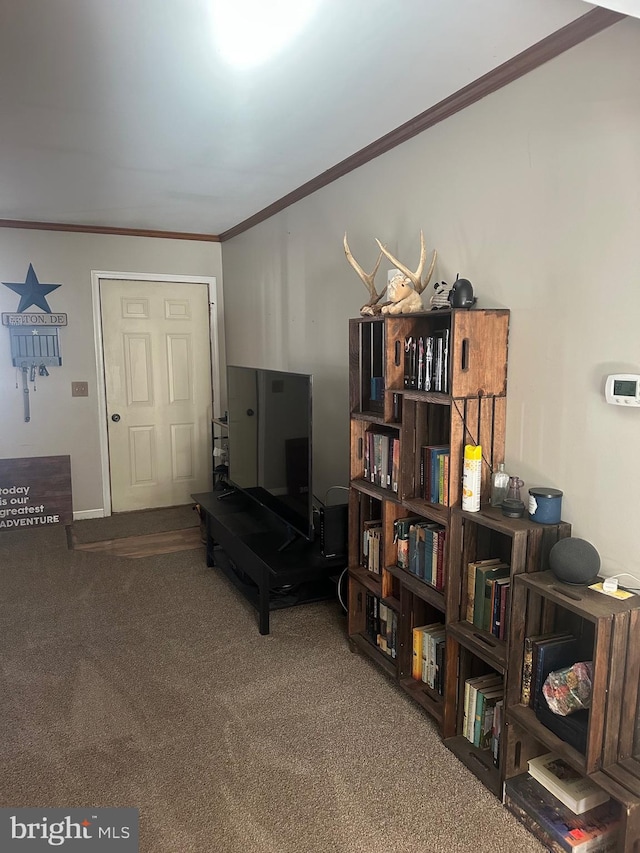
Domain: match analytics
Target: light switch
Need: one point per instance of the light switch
(79, 389)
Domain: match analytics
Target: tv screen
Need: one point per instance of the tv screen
(269, 449)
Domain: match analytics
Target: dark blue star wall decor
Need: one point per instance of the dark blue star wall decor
(32, 292)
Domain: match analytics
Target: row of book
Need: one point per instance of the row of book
(488, 596)
(545, 653)
(382, 459)
(421, 549)
(426, 362)
(546, 798)
(483, 712)
(381, 625)
(428, 661)
(434, 473)
(372, 546)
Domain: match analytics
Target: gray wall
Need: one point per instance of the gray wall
(534, 194)
(60, 424)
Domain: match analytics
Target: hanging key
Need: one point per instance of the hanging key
(25, 389)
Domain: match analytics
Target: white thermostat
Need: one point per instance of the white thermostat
(623, 389)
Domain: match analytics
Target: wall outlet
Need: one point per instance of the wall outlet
(79, 389)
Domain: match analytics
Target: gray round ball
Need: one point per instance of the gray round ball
(574, 561)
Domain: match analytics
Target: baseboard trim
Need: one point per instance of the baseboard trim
(88, 513)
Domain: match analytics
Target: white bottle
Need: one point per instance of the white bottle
(471, 477)
(499, 485)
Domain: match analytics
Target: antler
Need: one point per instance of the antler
(367, 278)
(414, 277)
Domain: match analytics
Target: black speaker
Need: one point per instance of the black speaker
(333, 530)
(574, 561)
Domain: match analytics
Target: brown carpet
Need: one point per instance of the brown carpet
(145, 683)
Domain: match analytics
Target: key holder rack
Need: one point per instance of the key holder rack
(34, 336)
(33, 349)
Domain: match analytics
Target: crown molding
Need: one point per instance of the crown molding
(100, 229)
(533, 57)
(528, 60)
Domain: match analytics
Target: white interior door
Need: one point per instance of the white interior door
(157, 364)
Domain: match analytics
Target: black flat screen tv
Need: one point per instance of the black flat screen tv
(269, 447)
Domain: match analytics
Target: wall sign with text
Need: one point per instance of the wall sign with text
(35, 492)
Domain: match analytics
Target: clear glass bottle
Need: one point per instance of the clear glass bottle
(499, 485)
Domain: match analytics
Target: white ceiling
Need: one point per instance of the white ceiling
(119, 113)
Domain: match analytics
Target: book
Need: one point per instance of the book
(410, 378)
(441, 460)
(437, 481)
(552, 655)
(387, 630)
(594, 831)
(577, 792)
(440, 664)
(491, 578)
(416, 659)
(432, 634)
(485, 701)
(496, 731)
(395, 464)
(445, 479)
(492, 701)
(420, 368)
(427, 383)
(370, 543)
(430, 473)
(526, 697)
(418, 634)
(442, 538)
(483, 573)
(498, 605)
(401, 528)
(472, 686)
(505, 610)
(472, 567)
(417, 547)
(438, 360)
(531, 824)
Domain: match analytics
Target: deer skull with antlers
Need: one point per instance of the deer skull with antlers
(371, 307)
(405, 287)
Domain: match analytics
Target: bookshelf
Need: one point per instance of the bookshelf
(608, 631)
(409, 425)
(621, 761)
(419, 593)
(489, 546)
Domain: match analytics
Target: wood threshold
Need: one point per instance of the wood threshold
(147, 545)
(533, 57)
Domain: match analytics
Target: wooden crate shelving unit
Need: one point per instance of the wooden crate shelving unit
(473, 410)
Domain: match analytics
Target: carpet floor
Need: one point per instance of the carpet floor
(145, 683)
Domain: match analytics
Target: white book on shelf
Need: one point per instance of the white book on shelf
(575, 791)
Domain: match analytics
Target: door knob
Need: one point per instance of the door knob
(250, 412)
(115, 418)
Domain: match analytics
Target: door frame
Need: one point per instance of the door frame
(216, 353)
